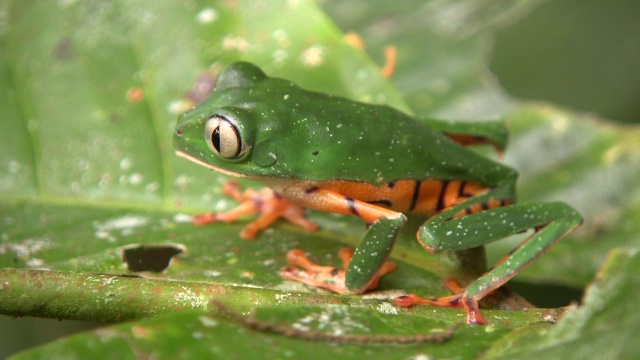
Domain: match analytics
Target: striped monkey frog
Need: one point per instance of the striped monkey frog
(332, 154)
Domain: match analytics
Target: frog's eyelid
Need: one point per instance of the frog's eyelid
(223, 137)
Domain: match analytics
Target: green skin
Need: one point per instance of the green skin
(290, 134)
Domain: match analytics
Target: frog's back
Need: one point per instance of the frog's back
(323, 137)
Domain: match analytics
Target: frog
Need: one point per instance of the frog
(325, 152)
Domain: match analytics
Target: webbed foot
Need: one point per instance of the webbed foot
(460, 300)
(327, 277)
(266, 202)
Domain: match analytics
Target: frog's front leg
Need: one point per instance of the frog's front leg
(369, 262)
(484, 219)
(266, 202)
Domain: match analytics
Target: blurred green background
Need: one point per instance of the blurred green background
(583, 55)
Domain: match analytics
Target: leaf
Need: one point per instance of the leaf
(604, 327)
(91, 91)
(193, 334)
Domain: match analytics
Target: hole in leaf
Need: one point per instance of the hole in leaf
(150, 257)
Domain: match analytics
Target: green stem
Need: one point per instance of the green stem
(115, 298)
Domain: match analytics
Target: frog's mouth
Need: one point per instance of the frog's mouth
(200, 162)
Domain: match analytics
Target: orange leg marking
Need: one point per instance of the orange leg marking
(490, 204)
(333, 202)
(266, 202)
(460, 300)
(327, 277)
(466, 140)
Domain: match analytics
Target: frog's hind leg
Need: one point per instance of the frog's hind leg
(308, 272)
(460, 228)
(469, 133)
(363, 270)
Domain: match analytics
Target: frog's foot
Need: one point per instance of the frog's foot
(460, 300)
(266, 202)
(327, 277)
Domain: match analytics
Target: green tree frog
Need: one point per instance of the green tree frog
(329, 153)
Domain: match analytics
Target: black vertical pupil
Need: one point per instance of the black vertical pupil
(215, 138)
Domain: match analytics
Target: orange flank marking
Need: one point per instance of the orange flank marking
(412, 196)
(450, 194)
(367, 201)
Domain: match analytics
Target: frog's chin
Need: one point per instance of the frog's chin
(200, 162)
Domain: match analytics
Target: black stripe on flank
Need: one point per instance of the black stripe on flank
(443, 190)
(416, 195)
(391, 184)
(461, 192)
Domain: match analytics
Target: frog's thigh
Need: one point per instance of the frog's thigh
(330, 201)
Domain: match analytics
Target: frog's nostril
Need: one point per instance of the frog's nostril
(179, 132)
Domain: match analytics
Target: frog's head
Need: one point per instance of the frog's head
(220, 133)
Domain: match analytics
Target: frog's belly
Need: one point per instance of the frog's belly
(409, 196)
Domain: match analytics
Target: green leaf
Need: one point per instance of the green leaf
(193, 334)
(604, 327)
(89, 97)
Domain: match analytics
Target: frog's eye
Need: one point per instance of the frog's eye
(223, 137)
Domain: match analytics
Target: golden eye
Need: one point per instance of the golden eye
(223, 137)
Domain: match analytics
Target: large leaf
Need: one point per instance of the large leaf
(603, 328)
(90, 92)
